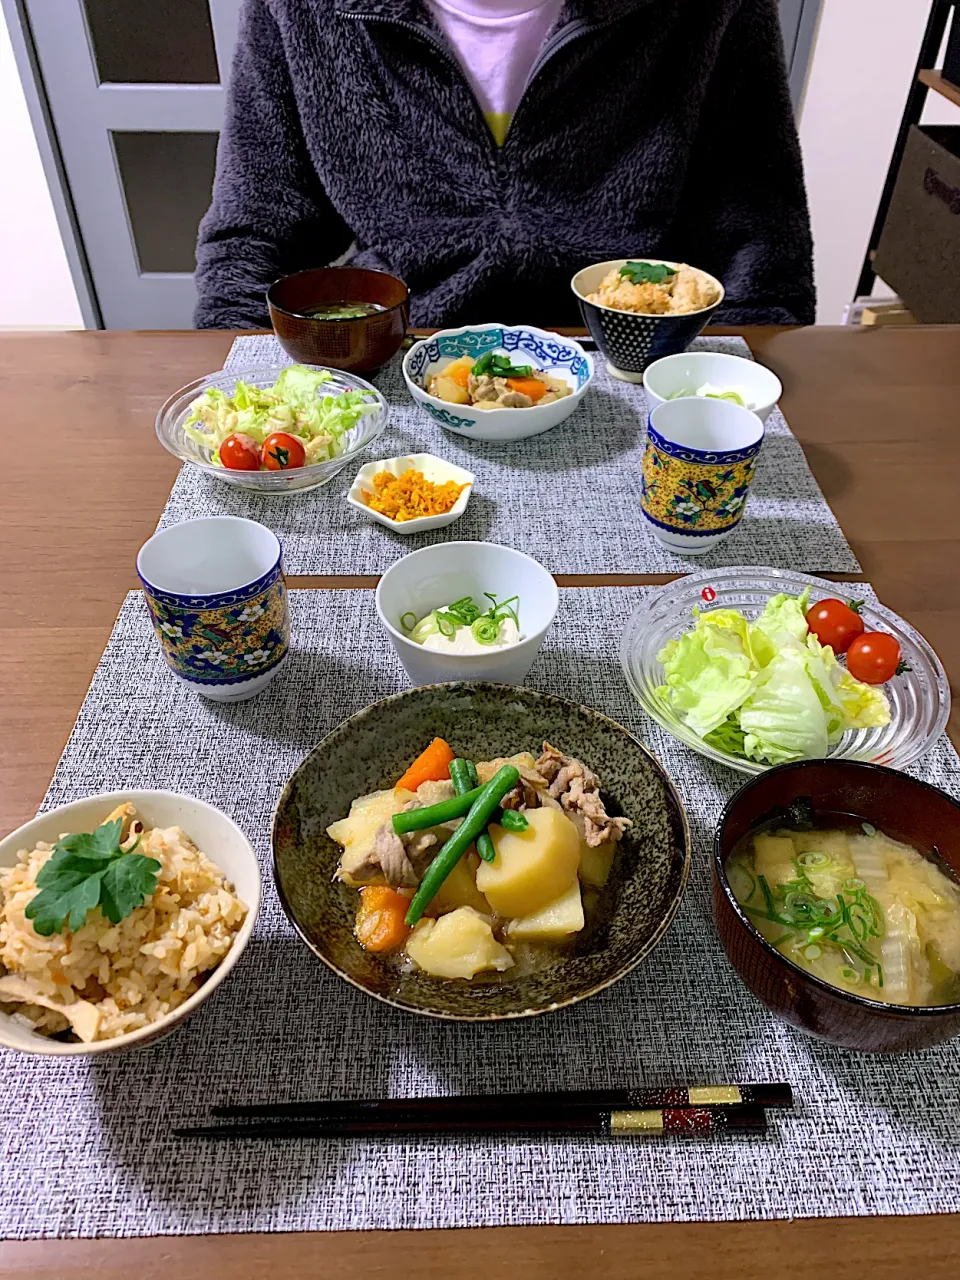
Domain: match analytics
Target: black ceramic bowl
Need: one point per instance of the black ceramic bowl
(372, 749)
(629, 341)
(900, 806)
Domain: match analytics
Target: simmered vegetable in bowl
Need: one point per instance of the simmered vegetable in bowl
(579, 886)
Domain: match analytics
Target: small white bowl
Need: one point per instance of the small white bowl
(545, 351)
(212, 832)
(434, 469)
(692, 369)
(440, 574)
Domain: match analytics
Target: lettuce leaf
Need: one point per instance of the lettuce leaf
(709, 671)
(767, 690)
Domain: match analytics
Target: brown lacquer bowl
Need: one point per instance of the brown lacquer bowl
(372, 749)
(357, 345)
(897, 804)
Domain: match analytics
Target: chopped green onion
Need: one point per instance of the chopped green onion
(486, 630)
(813, 859)
(812, 952)
(868, 828)
(444, 625)
(408, 626)
(851, 975)
(853, 884)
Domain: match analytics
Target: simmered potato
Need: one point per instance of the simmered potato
(460, 889)
(358, 830)
(458, 945)
(533, 867)
(596, 862)
(555, 921)
(445, 388)
(774, 858)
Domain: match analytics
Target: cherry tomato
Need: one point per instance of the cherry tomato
(240, 453)
(835, 623)
(281, 452)
(874, 657)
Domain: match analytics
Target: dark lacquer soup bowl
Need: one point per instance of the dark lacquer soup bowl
(358, 344)
(897, 805)
(371, 750)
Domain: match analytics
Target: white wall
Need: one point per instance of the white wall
(860, 72)
(35, 285)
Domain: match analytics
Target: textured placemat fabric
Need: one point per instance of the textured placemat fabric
(569, 498)
(86, 1144)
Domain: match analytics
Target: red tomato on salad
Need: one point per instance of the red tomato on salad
(874, 657)
(282, 452)
(240, 453)
(835, 623)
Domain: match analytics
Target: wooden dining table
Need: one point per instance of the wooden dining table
(82, 484)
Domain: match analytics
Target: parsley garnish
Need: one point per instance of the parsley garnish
(646, 272)
(89, 870)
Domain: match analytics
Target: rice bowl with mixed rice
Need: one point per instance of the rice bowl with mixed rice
(104, 980)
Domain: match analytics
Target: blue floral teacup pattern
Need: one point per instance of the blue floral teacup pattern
(227, 639)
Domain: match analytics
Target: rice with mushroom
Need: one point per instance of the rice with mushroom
(105, 980)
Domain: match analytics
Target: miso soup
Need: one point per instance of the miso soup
(343, 310)
(854, 907)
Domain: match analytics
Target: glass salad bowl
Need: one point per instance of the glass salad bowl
(171, 429)
(919, 698)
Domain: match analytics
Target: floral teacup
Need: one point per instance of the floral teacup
(698, 463)
(218, 602)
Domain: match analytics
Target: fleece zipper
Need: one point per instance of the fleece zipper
(571, 32)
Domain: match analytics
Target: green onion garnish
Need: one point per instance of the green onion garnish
(445, 625)
(408, 626)
(868, 828)
(486, 630)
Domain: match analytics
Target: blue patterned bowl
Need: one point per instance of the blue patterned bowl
(630, 341)
(546, 351)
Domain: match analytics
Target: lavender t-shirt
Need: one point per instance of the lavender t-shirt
(496, 43)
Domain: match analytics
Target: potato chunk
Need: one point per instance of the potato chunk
(596, 862)
(460, 889)
(552, 923)
(458, 945)
(445, 388)
(358, 830)
(773, 857)
(533, 867)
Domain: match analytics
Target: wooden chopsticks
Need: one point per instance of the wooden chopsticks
(611, 1112)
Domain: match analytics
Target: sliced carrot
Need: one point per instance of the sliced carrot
(431, 765)
(380, 922)
(531, 387)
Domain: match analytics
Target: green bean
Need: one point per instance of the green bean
(485, 846)
(472, 826)
(460, 777)
(511, 820)
(463, 774)
(434, 814)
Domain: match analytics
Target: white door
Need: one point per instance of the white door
(134, 89)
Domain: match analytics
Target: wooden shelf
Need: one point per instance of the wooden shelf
(935, 81)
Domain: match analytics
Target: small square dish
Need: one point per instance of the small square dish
(434, 470)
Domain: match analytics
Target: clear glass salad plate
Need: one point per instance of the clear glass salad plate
(919, 698)
(175, 439)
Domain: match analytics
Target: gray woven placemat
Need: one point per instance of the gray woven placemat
(86, 1143)
(570, 498)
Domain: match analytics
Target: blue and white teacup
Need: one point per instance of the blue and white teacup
(698, 465)
(219, 604)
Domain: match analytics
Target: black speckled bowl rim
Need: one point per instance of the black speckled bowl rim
(347, 726)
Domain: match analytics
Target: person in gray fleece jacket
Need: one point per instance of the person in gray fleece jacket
(647, 128)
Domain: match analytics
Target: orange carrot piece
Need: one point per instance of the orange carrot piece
(459, 373)
(531, 387)
(431, 765)
(380, 924)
